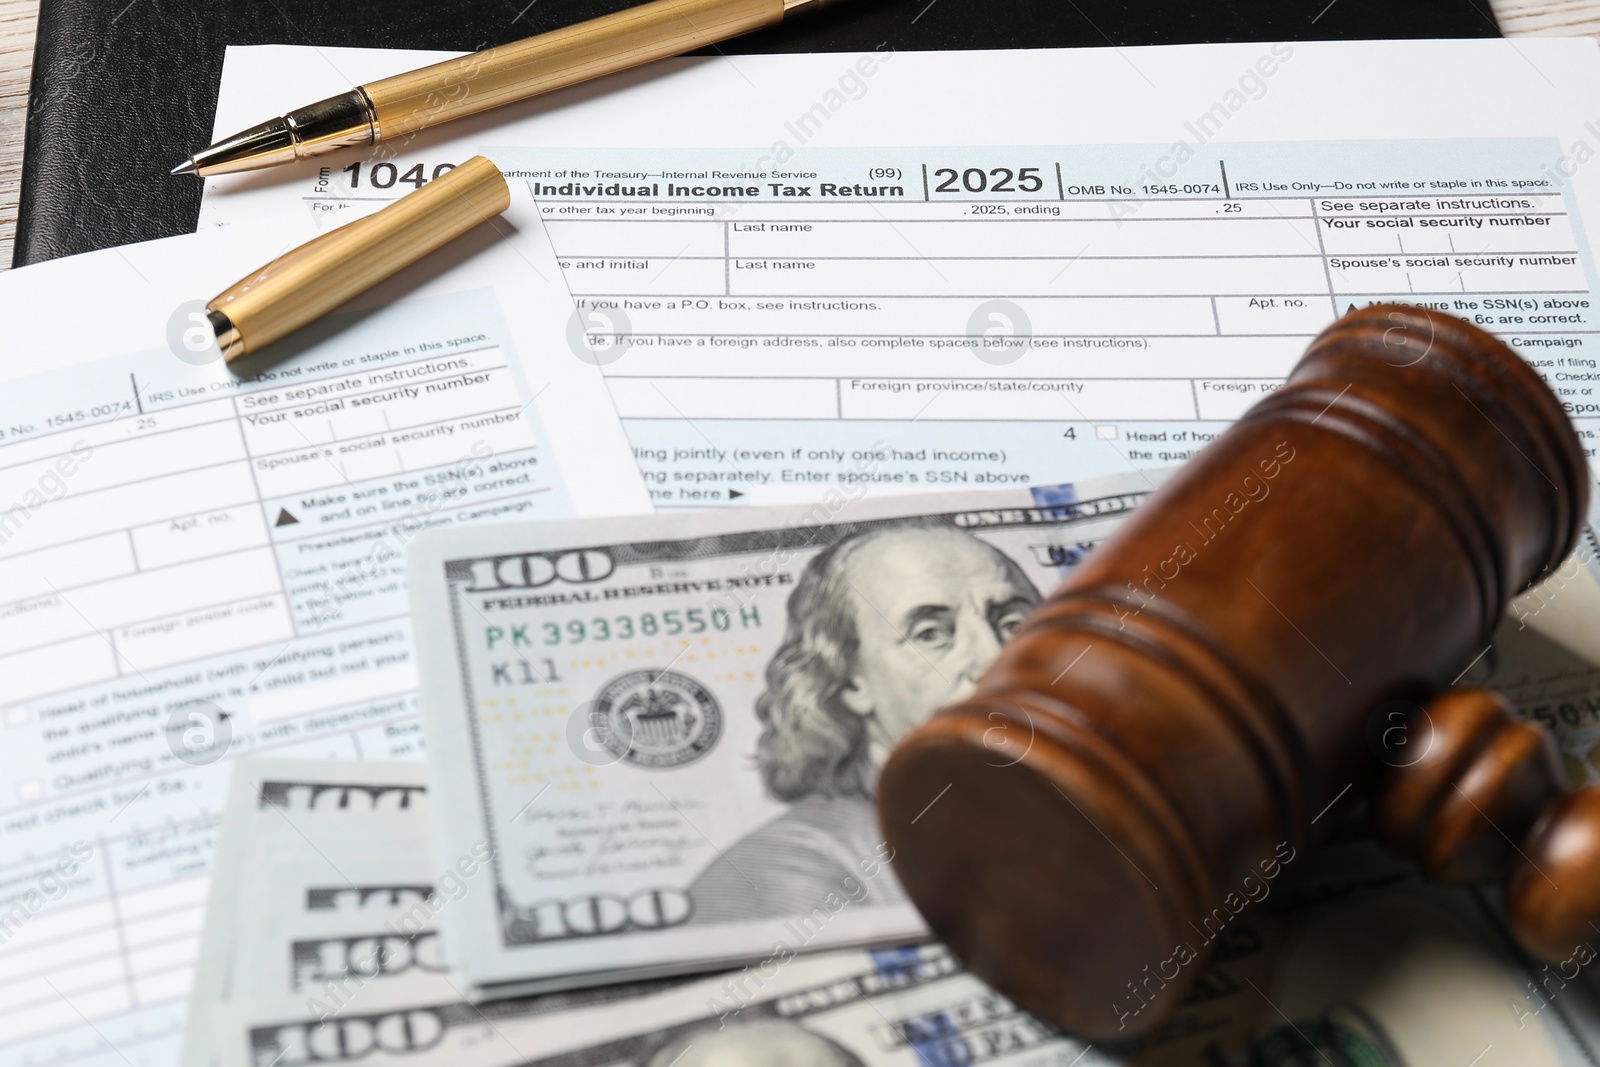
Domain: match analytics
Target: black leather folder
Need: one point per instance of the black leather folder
(123, 89)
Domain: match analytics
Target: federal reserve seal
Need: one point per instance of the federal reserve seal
(657, 718)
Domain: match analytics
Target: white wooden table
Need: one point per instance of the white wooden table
(17, 17)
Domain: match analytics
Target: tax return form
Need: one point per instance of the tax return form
(194, 556)
(962, 269)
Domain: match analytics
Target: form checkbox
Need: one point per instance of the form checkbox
(17, 717)
(1105, 433)
(30, 789)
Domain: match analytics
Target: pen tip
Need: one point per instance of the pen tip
(186, 167)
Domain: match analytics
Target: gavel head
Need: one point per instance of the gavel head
(1159, 741)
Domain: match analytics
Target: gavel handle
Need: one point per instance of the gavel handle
(1485, 800)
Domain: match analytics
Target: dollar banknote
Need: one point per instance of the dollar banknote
(909, 1005)
(666, 730)
(324, 912)
(302, 841)
(1352, 962)
(329, 935)
(1347, 959)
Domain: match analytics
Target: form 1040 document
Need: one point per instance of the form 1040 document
(908, 271)
(199, 560)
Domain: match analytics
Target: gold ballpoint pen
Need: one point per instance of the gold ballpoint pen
(393, 107)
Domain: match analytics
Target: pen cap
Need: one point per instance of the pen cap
(308, 282)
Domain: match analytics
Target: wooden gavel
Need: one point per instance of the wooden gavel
(1169, 729)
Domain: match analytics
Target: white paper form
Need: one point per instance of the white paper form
(192, 556)
(987, 268)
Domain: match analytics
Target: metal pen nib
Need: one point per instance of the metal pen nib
(337, 122)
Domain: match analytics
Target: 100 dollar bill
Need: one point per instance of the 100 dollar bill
(299, 838)
(903, 1007)
(669, 728)
(1348, 959)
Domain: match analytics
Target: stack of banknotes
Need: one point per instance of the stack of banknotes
(645, 836)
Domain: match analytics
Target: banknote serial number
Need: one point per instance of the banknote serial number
(670, 623)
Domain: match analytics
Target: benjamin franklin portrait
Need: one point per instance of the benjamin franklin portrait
(884, 628)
